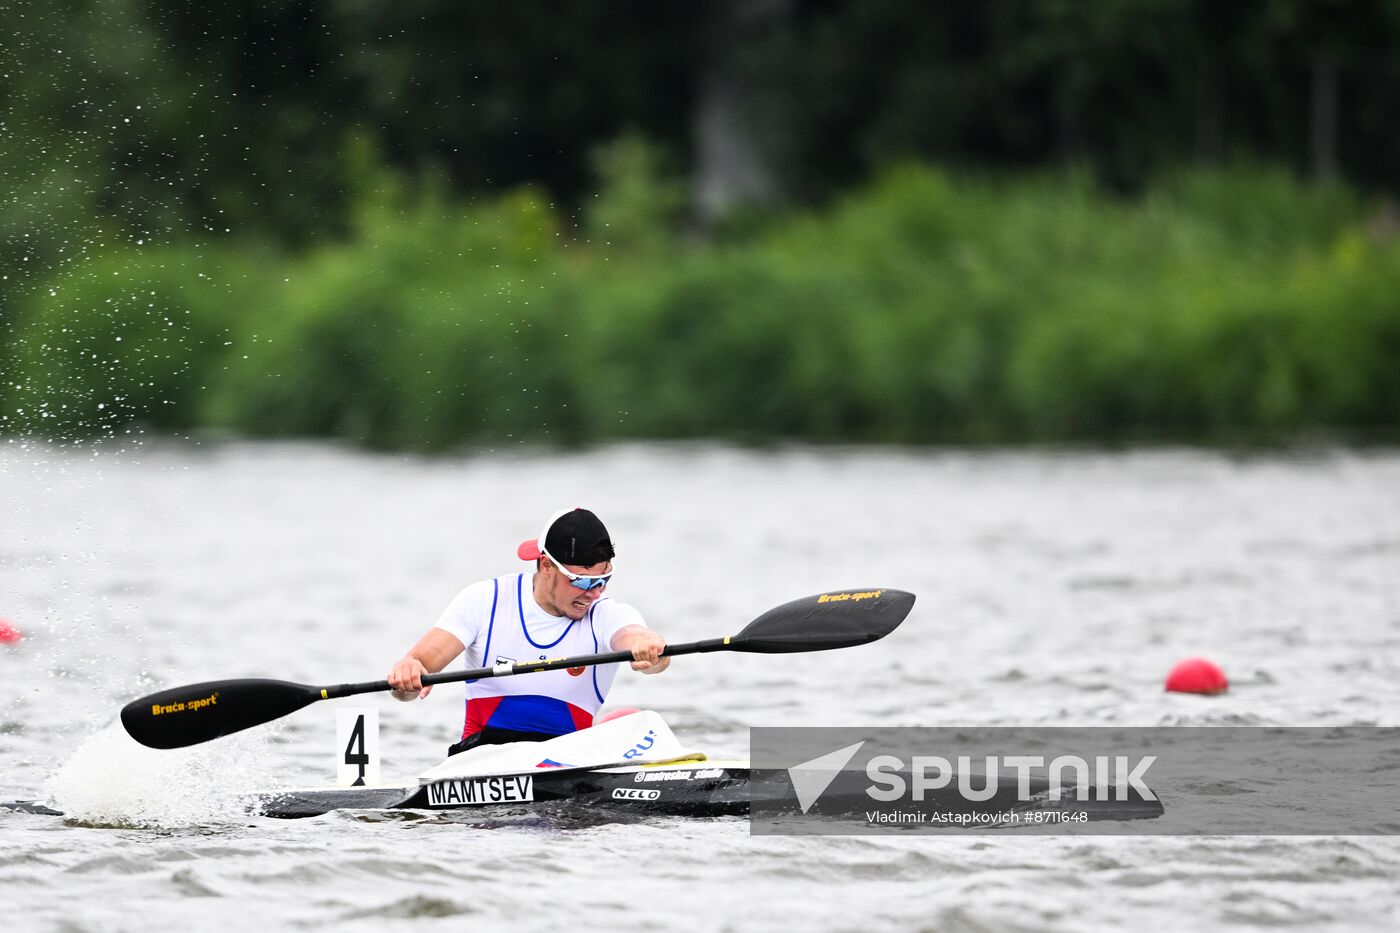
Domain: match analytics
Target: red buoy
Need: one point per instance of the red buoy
(8, 633)
(1197, 675)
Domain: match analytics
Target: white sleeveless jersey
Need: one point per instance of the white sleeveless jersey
(499, 621)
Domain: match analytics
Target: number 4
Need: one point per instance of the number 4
(360, 757)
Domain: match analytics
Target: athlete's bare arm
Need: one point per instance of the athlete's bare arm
(645, 646)
(434, 651)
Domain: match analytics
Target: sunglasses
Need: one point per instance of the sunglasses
(580, 581)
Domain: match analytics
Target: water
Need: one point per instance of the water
(1054, 588)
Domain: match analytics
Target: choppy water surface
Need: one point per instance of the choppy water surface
(1053, 589)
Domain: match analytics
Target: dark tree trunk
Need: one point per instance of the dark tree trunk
(1210, 112)
(732, 164)
(1324, 119)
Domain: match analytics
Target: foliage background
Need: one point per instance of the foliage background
(426, 223)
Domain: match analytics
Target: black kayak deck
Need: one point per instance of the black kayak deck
(708, 790)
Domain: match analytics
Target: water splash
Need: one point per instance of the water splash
(110, 780)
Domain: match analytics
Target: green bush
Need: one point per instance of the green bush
(926, 307)
(136, 337)
(428, 327)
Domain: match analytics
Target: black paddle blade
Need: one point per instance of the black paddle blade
(197, 713)
(830, 620)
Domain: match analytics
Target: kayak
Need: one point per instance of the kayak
(634, 762)
(692, 788)
(632, 765)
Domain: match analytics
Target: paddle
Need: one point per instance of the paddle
(196, 713)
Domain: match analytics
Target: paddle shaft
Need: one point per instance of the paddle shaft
(526, 667)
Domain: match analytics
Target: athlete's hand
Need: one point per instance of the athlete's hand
(646, 652)
(406, 677)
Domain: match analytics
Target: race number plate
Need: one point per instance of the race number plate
(469, 792)
(357, 746)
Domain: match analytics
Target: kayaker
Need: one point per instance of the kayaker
(561, 610)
